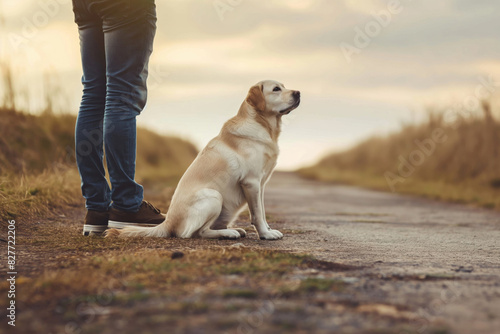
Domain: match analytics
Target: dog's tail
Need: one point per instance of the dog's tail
(160, 231)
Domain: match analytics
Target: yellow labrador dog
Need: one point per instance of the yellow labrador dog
(231, 171)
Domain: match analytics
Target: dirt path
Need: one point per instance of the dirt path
(383, 263)
(440, 261)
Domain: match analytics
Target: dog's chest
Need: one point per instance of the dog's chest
(266, 160)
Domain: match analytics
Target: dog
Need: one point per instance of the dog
(230, 172)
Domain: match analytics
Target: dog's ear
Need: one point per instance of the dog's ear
(255, 98)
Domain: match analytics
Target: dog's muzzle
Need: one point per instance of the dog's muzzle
(296, 98)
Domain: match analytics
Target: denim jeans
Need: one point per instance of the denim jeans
(116, 40)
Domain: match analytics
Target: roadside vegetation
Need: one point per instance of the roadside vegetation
(451, 156)
(38, 173)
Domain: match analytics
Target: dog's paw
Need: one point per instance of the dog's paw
(241, 231)
(229, 234)
(271, 235)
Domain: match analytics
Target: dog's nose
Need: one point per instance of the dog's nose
(296, 94)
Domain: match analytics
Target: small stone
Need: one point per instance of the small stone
(237, 245)
(177, 255)
(349, 280)
(464, 269)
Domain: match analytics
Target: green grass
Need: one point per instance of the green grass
(321, 284)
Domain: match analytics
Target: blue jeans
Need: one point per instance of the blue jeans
(116, 40)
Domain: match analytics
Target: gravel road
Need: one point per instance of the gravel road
(431, 264)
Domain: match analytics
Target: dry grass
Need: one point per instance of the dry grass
(463, 167)
(38, 174)
(38, 195)
(95, 291)
(93, 282)
(161, 160)
(155, 270)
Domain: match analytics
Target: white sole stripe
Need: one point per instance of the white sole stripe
(119, 225)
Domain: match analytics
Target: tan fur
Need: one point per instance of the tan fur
(229, 139)
(112, 233)
(229, 172)
(256, 99)
(266, 122)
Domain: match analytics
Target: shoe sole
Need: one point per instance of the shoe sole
(119, 225)
(93, 229)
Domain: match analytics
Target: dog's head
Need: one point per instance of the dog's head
(271, 97)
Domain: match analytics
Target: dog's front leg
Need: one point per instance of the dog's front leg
(252, 190)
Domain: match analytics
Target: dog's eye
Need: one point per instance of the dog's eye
(276, 89)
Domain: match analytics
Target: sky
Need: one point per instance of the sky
(363, 67)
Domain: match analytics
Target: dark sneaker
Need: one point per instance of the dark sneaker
(96, 222)
(148, 215)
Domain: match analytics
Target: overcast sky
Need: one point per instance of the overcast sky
(358, 75)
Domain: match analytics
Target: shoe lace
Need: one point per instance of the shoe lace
(152, 207)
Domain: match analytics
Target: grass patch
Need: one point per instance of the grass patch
(293, 231)
(321, 284)
(139, 273)
(37, 195)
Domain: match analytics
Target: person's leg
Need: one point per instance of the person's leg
(129, 29)
(89, 125)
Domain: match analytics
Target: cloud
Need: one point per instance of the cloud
(429, 52)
